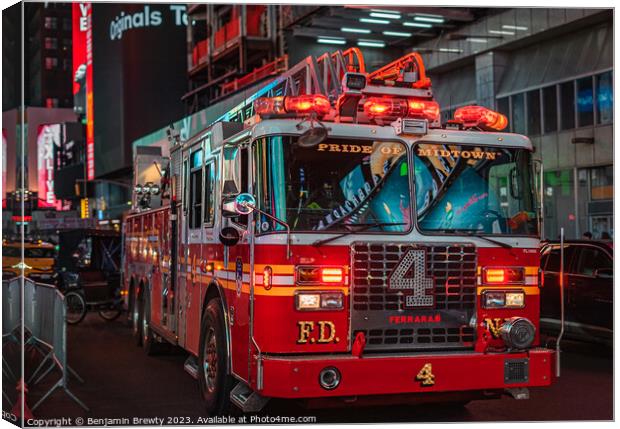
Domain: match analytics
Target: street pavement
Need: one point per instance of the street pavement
(121, 382)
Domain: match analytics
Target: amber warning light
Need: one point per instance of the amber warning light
(480, 117)
(300, 105)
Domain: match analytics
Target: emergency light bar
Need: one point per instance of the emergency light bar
(385, 108)
(480, 117)
(301, 104)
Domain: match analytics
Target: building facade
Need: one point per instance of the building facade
(550, 72)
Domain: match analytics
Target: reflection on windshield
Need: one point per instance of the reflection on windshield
(334, 185)
(474, 189)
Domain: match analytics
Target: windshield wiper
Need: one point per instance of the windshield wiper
(472, 233)
(363, 227)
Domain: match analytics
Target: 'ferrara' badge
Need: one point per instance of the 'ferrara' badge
(409, 276)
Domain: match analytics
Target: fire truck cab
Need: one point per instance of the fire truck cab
(346, 248)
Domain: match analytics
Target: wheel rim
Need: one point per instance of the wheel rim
(209, 363)
(75, 307)
(135, 318)
(145, 329)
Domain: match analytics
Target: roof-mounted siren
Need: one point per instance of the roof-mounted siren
(401, 92)
(478, 117)
(309, 108)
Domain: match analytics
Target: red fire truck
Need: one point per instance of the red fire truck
(332, 241)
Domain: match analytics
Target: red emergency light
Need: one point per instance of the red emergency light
(301, 104)
(503, 275)
(392, 108)
(481, 117)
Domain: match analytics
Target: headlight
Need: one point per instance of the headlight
(319, 301)
(515, 299)
(308, 301)
(503, 299)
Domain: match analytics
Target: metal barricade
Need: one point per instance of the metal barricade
(45, 329)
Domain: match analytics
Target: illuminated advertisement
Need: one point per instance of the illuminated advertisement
(83, 77)
(48, 136)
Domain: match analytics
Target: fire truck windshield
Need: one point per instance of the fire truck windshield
(333, 186)
(475, 190)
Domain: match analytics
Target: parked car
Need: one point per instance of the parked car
(38, 260)
(588, 293)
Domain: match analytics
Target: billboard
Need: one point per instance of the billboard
(48, 137)
(139, 77)
(83, 77)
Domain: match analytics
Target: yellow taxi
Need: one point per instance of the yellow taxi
(38, 260)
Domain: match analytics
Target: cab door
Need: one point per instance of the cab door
(550, 292)
(183, 253)
(236, 170)
(193, 283)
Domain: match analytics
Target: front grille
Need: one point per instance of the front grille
(381, 313)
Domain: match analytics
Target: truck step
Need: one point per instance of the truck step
(191, 367)
(246, 399)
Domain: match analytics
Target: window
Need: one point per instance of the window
(51, 63)
(559, 204)
(550, 109)
(550, 260)
(567, 105)
(604, 99)
(185, 185)
(66, 24)
(325, 188)
(533, 112)
(195, 189)
(585, 102)
(243, 219)
(51, 43)
(474, 189)
(602, 183)
(503, 106)
(591, 260)
(518, 113)
(209, 192)
(51, 23)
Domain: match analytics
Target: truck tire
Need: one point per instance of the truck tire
(214, 381)
(150, 343)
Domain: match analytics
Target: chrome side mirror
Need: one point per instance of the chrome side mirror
(245, 204)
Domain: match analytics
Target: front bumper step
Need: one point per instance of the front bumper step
(298, 376)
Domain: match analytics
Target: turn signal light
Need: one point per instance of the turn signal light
(385, 108)
(504, 275)
(478, 116)
(302, 104)
(332, 275)
(312, 275)
(267, 278)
